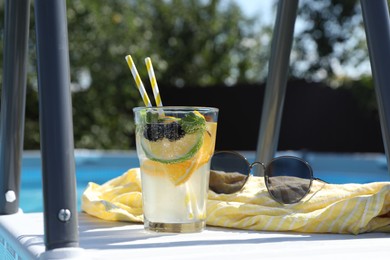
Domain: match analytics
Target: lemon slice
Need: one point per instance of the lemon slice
(166, 151)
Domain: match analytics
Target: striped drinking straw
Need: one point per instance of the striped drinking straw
(138, 81)
(153, 82)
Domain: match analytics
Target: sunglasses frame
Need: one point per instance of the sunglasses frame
(266, 173)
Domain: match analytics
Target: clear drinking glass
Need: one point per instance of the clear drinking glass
(174, 146)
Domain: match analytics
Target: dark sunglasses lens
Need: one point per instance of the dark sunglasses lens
(228, 172)
(288, 179)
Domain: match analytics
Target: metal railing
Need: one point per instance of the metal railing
(55, 110)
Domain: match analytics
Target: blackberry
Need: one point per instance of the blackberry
(173, 131)
(154, 132)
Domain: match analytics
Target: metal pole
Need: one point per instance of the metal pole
(277, 80)
(13, 102)
(56, 125)
(377, 26)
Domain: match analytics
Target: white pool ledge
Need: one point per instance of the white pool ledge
(21, 235)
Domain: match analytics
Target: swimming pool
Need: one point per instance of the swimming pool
(99, 167)
(91, 166)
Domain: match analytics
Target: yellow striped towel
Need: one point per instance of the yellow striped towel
(329, 208)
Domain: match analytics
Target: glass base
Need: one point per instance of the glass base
(175, 227)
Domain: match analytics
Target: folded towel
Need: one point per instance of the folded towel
(328, 208)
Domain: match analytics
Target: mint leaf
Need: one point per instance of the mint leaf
(192, 123)
(151, 117)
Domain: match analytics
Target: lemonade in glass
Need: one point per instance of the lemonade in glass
(174, 146)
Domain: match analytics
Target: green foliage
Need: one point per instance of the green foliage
(191, 42)
(329, 38)
(331, 43)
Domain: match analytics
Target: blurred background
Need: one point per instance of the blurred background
(215, 53)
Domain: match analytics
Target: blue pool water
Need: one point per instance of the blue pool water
(91, 166)
(99, 167)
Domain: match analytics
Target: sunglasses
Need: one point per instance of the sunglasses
(288, 178)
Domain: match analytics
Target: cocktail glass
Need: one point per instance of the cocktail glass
(174, 147)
